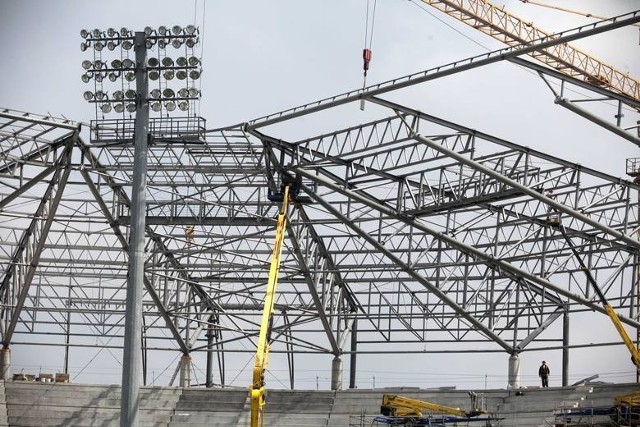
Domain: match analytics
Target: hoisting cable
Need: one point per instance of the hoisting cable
(368, 40)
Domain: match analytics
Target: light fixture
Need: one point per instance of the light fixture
(161, 67)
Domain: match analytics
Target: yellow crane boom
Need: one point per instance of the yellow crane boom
(513, 31)
(401, 406)
(635, 354)
(258, 388)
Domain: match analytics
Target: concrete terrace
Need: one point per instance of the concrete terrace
(31, 404)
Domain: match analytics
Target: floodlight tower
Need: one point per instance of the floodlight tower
(131, 95)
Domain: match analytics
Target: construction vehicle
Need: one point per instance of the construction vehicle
(401, 410)
(627, 409)
(258, 388)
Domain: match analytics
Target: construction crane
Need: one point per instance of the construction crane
(407, 407)
(258, 388)
(564, 9)
(513, 31)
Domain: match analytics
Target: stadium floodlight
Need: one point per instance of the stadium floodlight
(159, 68)
(168, 74)
(132, 95)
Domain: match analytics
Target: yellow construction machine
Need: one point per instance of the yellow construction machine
(258, 389)
(407, 407)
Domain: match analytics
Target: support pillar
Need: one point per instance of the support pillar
(336, 373)
(185, 371)
(514, 371)
(565, 349)
(209, 383)
(354, 348)
(132, 354)
(5, 364)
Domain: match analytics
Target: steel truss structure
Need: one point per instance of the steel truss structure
(408, 231)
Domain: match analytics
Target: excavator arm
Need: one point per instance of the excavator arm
(257, 394)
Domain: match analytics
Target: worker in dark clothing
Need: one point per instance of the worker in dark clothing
(543, 373)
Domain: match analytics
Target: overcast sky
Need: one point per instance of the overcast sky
(260, 57)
